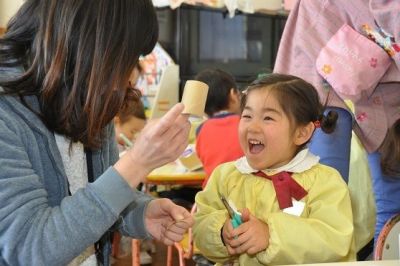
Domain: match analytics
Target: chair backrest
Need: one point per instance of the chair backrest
(387, 246)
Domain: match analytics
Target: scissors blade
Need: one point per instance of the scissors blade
(228, 207)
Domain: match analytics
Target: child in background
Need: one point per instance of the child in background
(217, 139)
(294, 209)
(128, 123)
(131, 119)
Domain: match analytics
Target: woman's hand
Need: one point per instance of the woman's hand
(251, 237)
(167, 222)
(161, 141)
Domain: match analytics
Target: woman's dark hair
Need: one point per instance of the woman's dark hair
(77, 57)
(219, 84)
(298, 99)
(390, 152)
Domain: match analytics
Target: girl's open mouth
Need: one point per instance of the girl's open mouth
(255, 146)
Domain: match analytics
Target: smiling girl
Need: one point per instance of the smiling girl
(294, 209)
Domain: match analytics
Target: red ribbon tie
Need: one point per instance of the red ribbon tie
(285, 187)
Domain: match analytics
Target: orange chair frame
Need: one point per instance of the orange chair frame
(182, 253)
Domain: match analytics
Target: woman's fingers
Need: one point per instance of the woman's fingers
(175, 231)
(182, 141)
(167, 241)
(180, 221)
(168, 120)
(181, 217)
(176, 129)
(174, 237)
(180, 226)
(155, 149)
(160, 142)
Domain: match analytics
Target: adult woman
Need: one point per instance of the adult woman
(64, 70)
(310, 26)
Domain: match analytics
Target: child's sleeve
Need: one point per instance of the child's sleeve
(209, 220)
(323, 233)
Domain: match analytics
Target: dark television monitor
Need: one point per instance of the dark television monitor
(199, 38)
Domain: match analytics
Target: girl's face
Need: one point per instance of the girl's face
(265, 132)
(130, 128)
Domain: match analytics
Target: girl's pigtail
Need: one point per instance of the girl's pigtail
(328, 121)
(390, 152)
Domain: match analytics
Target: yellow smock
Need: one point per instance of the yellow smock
(322, 233)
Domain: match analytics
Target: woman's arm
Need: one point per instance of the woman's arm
(31, 228)
(34, 230)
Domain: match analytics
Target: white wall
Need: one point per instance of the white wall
(7, 10)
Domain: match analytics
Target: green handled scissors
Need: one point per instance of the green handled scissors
(236, 219)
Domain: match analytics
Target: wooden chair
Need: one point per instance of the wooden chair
(135, 252)
(115, 244)
(387, 245)
(185, 247)
(135, 249)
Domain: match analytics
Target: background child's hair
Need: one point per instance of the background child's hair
(390, 152)
(133, 106)
(298, 99)
(220, 84)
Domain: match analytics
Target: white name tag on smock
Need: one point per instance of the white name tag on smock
(296, 209)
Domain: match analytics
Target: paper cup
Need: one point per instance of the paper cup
(194, 98)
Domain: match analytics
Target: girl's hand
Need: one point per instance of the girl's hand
(251, 237)
(166, 221)
(228, 235)
(161, 141)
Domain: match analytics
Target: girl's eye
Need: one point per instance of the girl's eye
(246, 116)
(268, 118)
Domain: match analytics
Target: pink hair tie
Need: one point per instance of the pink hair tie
(317, 124)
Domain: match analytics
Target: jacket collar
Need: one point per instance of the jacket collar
(303, 161)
